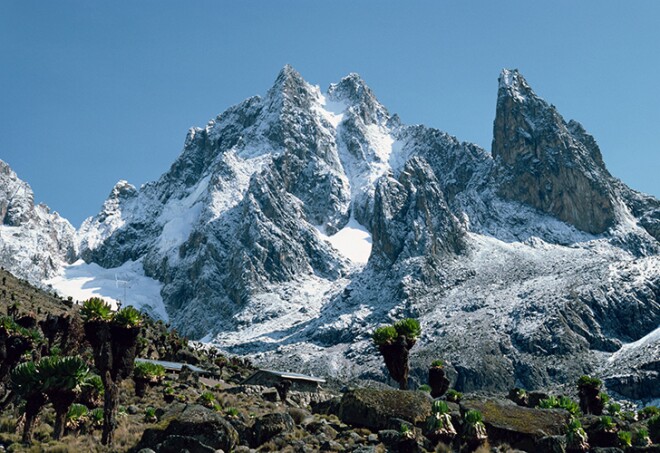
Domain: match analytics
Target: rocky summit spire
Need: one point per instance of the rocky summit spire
(547, 164)
(353, 91)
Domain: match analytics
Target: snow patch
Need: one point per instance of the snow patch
(179, 217)
(82, 281)
(353, 241)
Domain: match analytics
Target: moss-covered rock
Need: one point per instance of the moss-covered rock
(520, 427)
(373, 408)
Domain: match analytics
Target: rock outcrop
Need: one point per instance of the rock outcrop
(34, 242)
(548, 163)
(373, 408)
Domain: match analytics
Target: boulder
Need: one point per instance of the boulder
(270, 425)
(373, 408)
(191, 425)
(521, 427)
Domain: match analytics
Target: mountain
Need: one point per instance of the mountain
(34, 243)
(293, 224)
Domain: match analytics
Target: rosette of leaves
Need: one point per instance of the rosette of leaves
(454, 396)
(92, 391)
(113, 337)
(563, 402)
(26, 381)
(576, 437)
(96, 309)
(474, 430)
(147, 373)
(592, 401)
(15, 341)
(76, 416)
(62, 378)
(438, 381)
(439, 426)
(394, 343)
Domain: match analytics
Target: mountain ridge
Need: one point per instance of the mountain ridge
(525, 254)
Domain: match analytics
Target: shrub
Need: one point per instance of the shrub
(605, 423)
(96, 309)
(439, 407)
(437, 364)
(654, 428)
(588, 381)
(562, 402)
(384, 335)
(473, 417)
(625, 438)
(641, 437)
(408, 327)
(148, 371)
(96, 416)
(614, 408)
(76, 415)
(232, 412)
(454, 396)
(604, 397)
(424, 388)
(128, 317)
(648, 412)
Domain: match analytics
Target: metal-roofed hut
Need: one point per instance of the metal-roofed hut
(270, 378)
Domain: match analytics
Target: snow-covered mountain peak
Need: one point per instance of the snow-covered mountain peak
(294, 223)
(512, 83)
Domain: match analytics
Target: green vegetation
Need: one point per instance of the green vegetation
(394, 343)
(473, 417)
(605, 423)
(588, 381)
(641, 437)
(648, 412)
(625, 439)
(563, 402)
(408, 328)
(58, 378)
(437, 364)
(614, 408)
(384, 335)
(76, 415)
(654, 429)
(439, 407)
(424, 388)
(96, 309)
(128, 317)
(454, 396)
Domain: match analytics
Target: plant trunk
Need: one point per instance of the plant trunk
(62, 401)
(109, 409)
(140, 387)
(438, 381)
(32, 408)
(396, 359)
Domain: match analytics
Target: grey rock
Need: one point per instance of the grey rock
(270, 425)
(192, 425)
(373, 408)
(545, 162)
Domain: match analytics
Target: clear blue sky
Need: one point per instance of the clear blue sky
(96, 91)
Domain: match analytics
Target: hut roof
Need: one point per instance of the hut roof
(287, 375)
(172, 366)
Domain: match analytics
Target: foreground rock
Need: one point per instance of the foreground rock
(193, 428)
(520, 427)
(373, 408)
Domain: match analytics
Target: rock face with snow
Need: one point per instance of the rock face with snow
(549, 164)
(34, 242)
(294, 224)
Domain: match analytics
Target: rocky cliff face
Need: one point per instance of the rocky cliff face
(34, 242)
(549, 164)
(526, 267)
